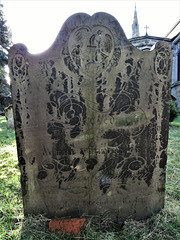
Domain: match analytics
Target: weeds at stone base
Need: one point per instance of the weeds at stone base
(163, 226)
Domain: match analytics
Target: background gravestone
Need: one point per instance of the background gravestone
(91, 118)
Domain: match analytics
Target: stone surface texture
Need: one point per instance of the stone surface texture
(9, 117)
(91, 118)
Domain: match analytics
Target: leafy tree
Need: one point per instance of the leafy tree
(5, 39)
(173, 111)
(5, 43)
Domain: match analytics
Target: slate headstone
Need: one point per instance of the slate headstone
(91, 118)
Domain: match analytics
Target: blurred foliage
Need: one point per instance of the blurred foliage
(173, 111)
(5, 39)
(5, 43)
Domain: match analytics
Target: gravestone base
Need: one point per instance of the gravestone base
(115, 207)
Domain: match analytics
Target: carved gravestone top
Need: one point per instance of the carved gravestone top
(91, 117)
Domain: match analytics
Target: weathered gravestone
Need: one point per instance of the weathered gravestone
(9, 117)
(91, 117)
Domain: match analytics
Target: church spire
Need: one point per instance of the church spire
(135, 25)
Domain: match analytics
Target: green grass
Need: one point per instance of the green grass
(11, 213)
(163, 226)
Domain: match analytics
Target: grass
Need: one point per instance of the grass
(163, 226)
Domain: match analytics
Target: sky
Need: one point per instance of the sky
(36, 23)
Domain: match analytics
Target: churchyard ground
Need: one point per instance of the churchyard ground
(163, 226)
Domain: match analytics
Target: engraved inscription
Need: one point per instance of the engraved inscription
(19, 67)
(91, 50)
(162, 62)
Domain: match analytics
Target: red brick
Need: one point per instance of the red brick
(69, 226)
